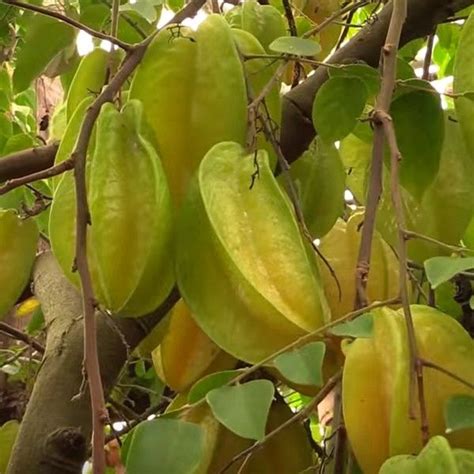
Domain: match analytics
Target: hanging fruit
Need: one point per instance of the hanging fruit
(130, 237)
(174, 81)
(376, 384)
(247, 274)
(18, 239)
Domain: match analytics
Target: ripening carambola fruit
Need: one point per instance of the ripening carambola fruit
(192, 86)
(186, 353)
(340, 246)
(375, 384)
(243, 267)
(18, 239)
(130, 236)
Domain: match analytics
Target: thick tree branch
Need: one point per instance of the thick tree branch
(423, 16)
(27, 162)
(55, 431)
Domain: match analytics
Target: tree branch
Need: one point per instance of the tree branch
(423, 16)
(69, 21)
(27, 162)
(15, 333)
(55, 431)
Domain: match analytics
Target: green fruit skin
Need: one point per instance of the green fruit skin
(376, 381)
(464, 81)
(18, 239)
(69, 139)
(320, 178)
(173, 82)
(264, 22)
(130, 238)
(242, 265)
(89, 79)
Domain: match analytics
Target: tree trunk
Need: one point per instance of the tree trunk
(56, 429)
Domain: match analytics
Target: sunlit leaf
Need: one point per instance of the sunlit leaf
(295, 46)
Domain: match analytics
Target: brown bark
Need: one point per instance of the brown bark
(27, 161)
(55, 431)
(423, 15)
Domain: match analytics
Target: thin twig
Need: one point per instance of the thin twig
(409, 234)
(311, 336)
(384, 121)
(301, 415)
(447, 372)
(427, 59)
(115, 18)
(348, 8)
(47, 173)
(293, 32)
(69, 21)
(14, 333)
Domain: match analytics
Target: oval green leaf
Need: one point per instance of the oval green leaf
(459, 413)
(244, 408)
(441, 269)
(359, 327)
(165, 446)
(295, 46)
(338, 104)
(303, 365)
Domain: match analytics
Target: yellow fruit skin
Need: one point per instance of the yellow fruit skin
(174, 81)
(186, 353)
(260, 289)
(376, 384)
(18, 240)
(341, 247)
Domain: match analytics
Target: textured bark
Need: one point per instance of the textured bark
(27, 161)
(55, 431)
(423, 15)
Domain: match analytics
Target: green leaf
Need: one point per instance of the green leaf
(18, 142)
(45, 37)
(145, 8)
(320, 179)
(436, 457)
(8, 434)
(165, 446)
(459, 413)
(420, 140)
(304, 365)
(369, 75)
(338, 104)
(295, 46)
(464, 81)
(210, 382)
(362, 326)
(441, 269)
(243, 408)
